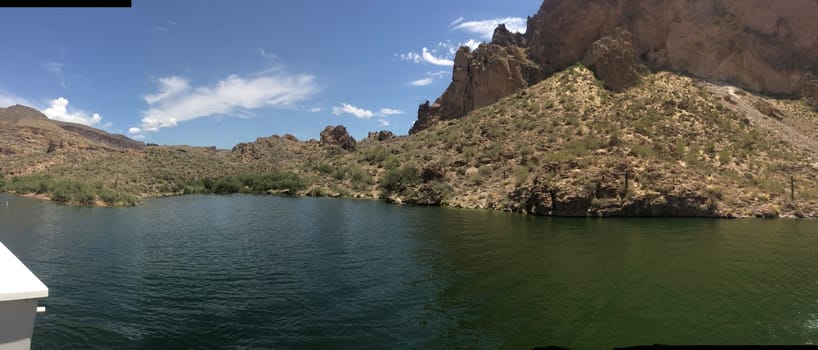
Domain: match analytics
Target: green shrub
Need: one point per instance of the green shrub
(325, 168)
(396, 180)
(724, 156)
(643, 151)
(360, 178)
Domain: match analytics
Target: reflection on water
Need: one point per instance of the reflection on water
(255, 271)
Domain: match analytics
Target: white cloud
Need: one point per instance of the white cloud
(350, 109)
(486, 28)
(440, 61)
(7, 99)
(136, 133)
(177, 102)
(362, 113)
(383, 122)
(168, 86)
(59, 111)
(422, 82)
(315, 109)
(430, 56)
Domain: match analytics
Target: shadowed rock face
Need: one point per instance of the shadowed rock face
(766, 46)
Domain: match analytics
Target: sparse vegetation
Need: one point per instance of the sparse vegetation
(565, 137)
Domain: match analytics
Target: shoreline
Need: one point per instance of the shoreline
(101, 204)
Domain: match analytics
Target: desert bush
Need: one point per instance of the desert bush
(397, 179)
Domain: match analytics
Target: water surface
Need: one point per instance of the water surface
(273, 272)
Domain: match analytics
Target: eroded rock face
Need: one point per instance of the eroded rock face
(760, 45)
(765, 46)
(337, 136)
(612, 59)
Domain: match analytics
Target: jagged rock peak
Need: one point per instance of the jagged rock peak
(337, 136)
(481, 77)
(503, 37)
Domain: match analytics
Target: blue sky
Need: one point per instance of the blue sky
(223, 72)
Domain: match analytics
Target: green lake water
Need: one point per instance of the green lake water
(304, 273)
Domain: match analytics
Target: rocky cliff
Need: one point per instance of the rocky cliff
(765, 46)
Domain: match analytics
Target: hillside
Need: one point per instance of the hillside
(565, 145)
(561, 147)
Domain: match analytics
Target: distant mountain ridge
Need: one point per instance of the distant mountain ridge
(764, 46)
(26, 129)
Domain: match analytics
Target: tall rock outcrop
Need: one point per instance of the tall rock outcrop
(481, 77)
(765, 46)
(337, 136)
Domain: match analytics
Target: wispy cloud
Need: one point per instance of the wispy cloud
(8, 99)
(443, 54)
(168, 87)
(410, 56)
(422, 82)
(429, 56)
(164, 28)
(58, 110)
(430, 78)
(267, 55)
(56, 69)
(485, 28)
(176, 101)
